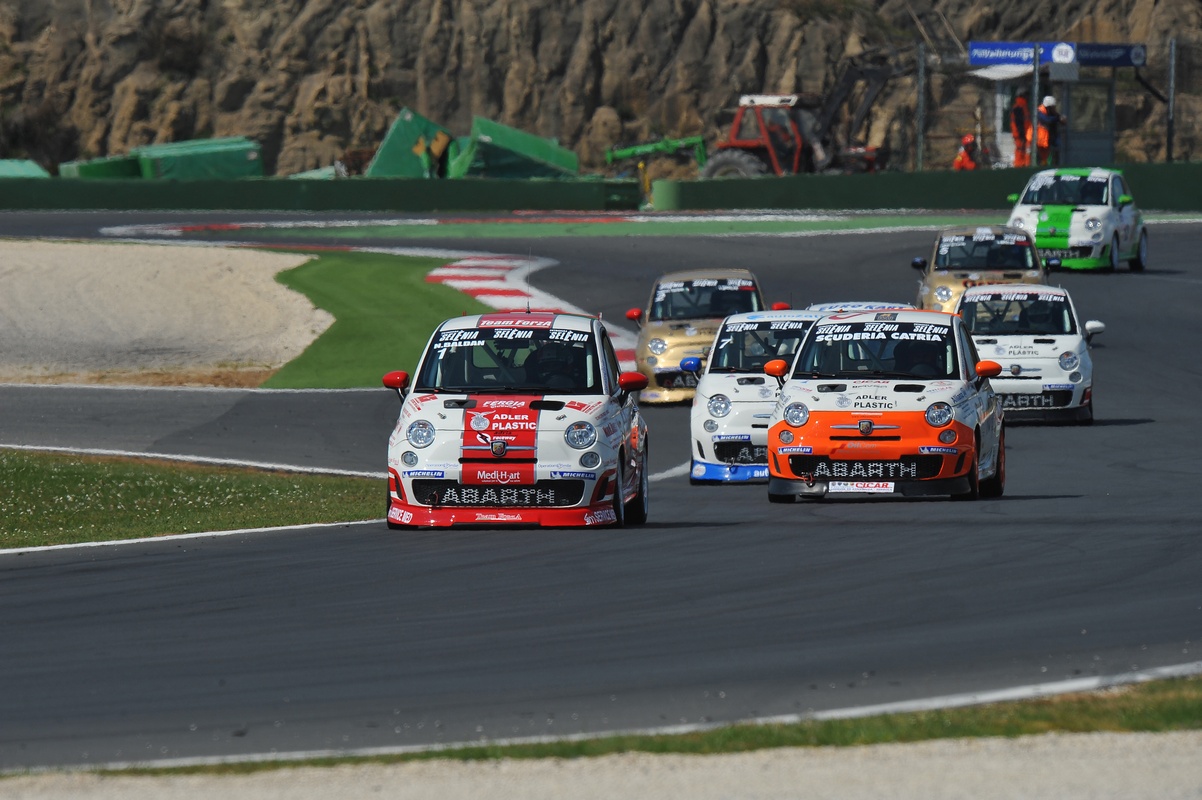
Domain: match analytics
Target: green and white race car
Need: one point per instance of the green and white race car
(1083, 216)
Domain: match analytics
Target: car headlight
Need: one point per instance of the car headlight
(939, 414)
(943, 294)
(580, 435)
(1069, 361)
(718, 405)
(796, 414)
(1093, 224)
(1019, 223)
(420, 434)
(657, 346)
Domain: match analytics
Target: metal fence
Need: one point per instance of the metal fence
(1137, 127)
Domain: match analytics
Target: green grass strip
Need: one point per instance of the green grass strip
(701, 226)
(384, 311)
(1156, 707)
(53, 499)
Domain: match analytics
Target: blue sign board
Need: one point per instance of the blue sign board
(987, 54)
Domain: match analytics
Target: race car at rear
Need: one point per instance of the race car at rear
(734, 399)
(1086, 218)
(976, 256)
(858, 305)
(518, 419)
(1035, 334)
(886, 402)
(680, 320)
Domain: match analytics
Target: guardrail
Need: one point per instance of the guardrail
(352, 194)
(1160, 187)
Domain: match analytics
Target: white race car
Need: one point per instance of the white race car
(734, 399)
(1034, 333)
(518, 419)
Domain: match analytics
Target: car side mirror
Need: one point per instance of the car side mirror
(1125, 200)
(397, 380)
(1053, 263)
(635, 315)
(919, 263)
(988, 369)
(781, 305)
(1092, 328)
(778, 368)
(690, 364)
(632, 381)
(1012, 198)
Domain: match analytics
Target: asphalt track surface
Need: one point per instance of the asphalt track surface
(723, 607)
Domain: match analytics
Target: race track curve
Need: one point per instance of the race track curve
(722, 608)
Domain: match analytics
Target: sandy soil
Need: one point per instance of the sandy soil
(162, 314)
(148, 314)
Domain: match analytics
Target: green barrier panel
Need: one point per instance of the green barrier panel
(499, 151)
(1161, 187)
(351, 194)
(414, 147)
(198, 159)
(101, 168)
(21, 168)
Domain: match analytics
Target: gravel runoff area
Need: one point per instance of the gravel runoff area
(162, 314)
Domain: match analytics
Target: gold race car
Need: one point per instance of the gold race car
(976, 256)
(680, 321)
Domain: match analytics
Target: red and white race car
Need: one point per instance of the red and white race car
(518, 419)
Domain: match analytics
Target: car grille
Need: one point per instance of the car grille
(543, 494)
(741, 453)
(675, 380)
(907, 468)
(1019, 402)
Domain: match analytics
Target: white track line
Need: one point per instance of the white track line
(1028, 692)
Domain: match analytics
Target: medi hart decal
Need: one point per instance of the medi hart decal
(498, 432)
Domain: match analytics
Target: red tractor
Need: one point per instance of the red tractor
(786, 134)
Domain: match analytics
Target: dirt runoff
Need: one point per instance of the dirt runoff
(149, 314)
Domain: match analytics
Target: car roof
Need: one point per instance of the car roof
(993, 288)
(1083, 172)
(974, 230)
(695, 274)
(898, 315)
(789, 315)
(859, 305)
(536, 320)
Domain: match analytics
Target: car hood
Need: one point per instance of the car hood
(1051, 221)
(519, 415)
(682, 331)
(1041, 346)
(740, 388)
(839, 394)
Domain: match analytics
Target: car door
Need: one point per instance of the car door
(1124, 213)
(623, 411)
(984, 399)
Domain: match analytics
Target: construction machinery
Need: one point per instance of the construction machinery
(787, 134)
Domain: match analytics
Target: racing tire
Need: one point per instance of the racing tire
(618, 503)
(733, 164)
(1140, 260)
(996, 486)
(1114, 253)
(781, 498)
(1085, 414)
(638, 508)
(392, 526)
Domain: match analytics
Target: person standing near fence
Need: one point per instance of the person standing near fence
(1020, 128)
(967, 156)
(1047, 138)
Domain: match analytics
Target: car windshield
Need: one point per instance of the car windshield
(880, 349)
(748, 346)
(984, 252)
(1018, 313)
(1067, 190)
(709, 298)
(501, 360)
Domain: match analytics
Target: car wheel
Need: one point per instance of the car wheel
(1140, 261)
(1085, 413)
(1114, 252)
(619, 482)
(637, 509)
(733, 164)
(995, 486)
(392, 526)
(781, 498)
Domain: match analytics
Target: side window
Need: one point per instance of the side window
(749, 126)
(612, 367)
(968, 354)
(1116, 190)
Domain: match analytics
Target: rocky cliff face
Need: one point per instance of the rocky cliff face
(310, 79)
